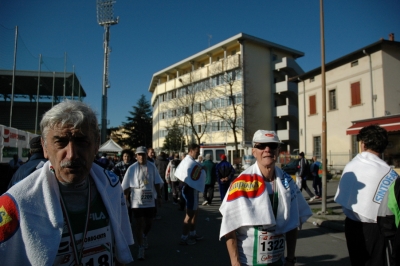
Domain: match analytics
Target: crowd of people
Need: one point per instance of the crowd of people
(66, 200)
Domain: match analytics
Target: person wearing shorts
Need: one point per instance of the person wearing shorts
(141, 185)
(191, 196)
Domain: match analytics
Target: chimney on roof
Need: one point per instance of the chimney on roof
(391, 37)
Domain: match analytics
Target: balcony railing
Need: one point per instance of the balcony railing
(286, 110)
(285, 86)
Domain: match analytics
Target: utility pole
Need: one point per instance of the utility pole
(105, 18)
(324, 123)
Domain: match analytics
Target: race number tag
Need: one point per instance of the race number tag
(271, 247)
(147, 197)
(97, 249)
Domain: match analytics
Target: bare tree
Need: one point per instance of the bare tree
(186, 108)
(226, 96)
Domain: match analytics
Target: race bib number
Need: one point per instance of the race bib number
(147, 197)
(97, 249)
(271, 247)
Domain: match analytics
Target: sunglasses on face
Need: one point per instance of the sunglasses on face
(262, 146)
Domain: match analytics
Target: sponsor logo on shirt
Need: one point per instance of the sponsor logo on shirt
(196, 173)
(248, 186)
(384, 186)
(9, 217)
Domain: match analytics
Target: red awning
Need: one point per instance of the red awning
(390, 123)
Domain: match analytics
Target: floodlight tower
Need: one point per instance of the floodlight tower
(105, 18)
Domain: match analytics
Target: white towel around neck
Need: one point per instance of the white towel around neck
(363, 184)
(249, 207)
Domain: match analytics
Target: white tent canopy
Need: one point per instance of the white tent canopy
(110, 146)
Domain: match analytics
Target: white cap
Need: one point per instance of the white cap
(265, 136)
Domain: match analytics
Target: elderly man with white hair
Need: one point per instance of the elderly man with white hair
(70, 211)
(263, 209)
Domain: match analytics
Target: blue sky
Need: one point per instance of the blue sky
(153, 34)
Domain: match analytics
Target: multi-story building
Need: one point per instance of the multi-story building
(362, 88)
(239, 84)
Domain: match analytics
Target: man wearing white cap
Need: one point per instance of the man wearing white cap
(263, 209)
(141, 184)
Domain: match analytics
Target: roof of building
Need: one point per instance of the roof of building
(369, 49)
(217, 47)
(26, 84)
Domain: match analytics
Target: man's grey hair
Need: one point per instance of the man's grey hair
(73, 114)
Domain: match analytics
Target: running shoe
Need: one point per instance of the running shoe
(197, 237)
(204, 203)
(188, 241)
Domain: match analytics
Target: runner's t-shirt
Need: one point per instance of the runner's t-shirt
(143, 197)
(259, 245)
(98, 244)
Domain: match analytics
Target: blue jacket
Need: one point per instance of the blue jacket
(36, 161)
(225, 169)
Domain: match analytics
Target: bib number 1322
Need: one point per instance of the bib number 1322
(271, 245)
(271, 248)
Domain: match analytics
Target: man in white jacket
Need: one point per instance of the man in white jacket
(71, 211)
(364, 183)
(263, 209)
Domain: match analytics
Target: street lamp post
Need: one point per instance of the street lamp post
(105, 18)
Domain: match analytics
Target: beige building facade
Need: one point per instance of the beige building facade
(363, 85)
(239, 84)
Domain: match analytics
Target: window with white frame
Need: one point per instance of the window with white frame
(317, 146)
(332, 99)
(354, 63)
(215, 126)
(223, 126)
(224, 101)
(208, 105)
(209, 127)
(239, 122)
(239, 98)
(216, 103)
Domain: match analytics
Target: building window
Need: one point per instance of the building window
(317, 146)
(208, 105)
(332, 100)
(274, 57)
(354, 63)
(313, 105)
(239, 98)
(312, 79)
(215, 126)
(354, 146)
(355, 93)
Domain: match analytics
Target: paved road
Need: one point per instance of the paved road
(316, 245)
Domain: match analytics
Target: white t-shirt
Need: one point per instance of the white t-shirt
(258, 245)
(144, 194)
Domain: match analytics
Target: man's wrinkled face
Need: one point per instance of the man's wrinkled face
(126, 158)
(266, 153)
(71, 152)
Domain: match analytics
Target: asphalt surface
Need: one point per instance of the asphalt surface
(321, 242)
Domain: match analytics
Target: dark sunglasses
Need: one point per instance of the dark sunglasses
(262, 146)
